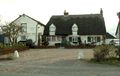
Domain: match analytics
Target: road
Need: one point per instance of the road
(55, 62)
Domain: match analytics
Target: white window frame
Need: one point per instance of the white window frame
(23, 38)
(24, 27)
(74, 29)
(74, 39)
(52, 29)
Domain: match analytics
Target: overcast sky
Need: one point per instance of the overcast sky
(42, 10)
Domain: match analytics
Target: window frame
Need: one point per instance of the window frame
(24, 27)
(23, 38)
(74, 29)
(52, 29)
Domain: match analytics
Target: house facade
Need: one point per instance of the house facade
(76, 29)
(31, 28)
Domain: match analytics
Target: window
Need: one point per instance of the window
(6, 40)
(89, 39)
(93, 39)
(98, 39)
(23, 38)
(24, 27)
(53, 38)
(75, 39)
(59, 38)
(52, 29)
(74, 29)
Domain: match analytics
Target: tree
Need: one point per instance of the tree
(12, 31)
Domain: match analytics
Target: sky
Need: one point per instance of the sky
(42, 10)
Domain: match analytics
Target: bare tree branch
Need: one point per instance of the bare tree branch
(12, 30)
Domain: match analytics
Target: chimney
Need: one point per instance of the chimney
(66, 13)
(101, 11)
(23, 14)
(118, 14)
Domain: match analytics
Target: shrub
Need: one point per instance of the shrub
(1, 46)
(45, 43)
(19, 45)
(30, 43)
(5, 46)
(104, 51)
(118, 52)
(57, 44)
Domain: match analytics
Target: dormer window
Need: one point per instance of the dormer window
(52, 29)
(74, 29)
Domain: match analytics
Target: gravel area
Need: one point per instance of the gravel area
(55, 62)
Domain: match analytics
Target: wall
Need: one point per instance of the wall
(53, 42)
(107, 41)
(32, 28)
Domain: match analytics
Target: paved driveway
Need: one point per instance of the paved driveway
(55, 62)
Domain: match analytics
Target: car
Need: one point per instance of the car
(28, 43)
(115, 42)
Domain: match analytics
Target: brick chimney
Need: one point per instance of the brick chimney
(101, 11)
(66, 13)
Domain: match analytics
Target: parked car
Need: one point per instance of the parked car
(115, 42)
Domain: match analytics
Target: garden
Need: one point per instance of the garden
(106, 54)
(6, 48)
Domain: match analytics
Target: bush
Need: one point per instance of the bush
(30, 43)
(57, 44)
(6, 49)
(5, 46)
(1, 46)
(18, 45)
(103, 52)
(118, 52)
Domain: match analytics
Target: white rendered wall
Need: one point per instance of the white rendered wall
(32, 29)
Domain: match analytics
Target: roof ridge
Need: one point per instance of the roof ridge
(34, 19)
(77, 14)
